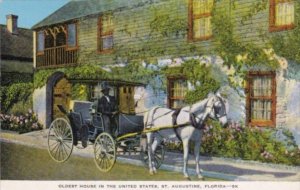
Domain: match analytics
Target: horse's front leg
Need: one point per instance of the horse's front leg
(185, 144)
(197, 159)
(156, 142)
(149, 147)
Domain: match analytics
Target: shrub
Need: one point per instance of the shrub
(15, 93)
(21, 123)
(21, 107)
(248, 143)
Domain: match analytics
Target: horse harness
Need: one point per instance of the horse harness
(192, 122)
(197, 125)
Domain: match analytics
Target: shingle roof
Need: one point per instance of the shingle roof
(17, 46)
(80, 8)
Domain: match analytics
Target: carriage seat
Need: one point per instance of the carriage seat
(83, 107)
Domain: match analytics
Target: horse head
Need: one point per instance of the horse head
(216, 108)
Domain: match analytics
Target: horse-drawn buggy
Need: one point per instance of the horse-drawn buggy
(85, 124)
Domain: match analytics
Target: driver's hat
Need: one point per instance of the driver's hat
(104, 86)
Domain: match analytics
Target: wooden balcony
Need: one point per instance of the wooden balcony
(56, 57)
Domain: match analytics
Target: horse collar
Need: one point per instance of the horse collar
(194, 122)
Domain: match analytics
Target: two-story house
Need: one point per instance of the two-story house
(110, 33)
(16, 52)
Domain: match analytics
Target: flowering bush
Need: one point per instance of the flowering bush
(22, 123)
(247, 143)
(250, 143)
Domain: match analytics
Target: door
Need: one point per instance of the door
(126, 102)
(61, 96)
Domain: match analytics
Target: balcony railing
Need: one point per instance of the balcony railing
(56, 57)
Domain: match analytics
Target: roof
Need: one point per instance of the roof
(16, 46)
(80, 8)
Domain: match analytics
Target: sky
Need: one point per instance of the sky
(30, 12)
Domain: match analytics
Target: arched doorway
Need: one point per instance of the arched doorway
(58, 91)
(61, 96)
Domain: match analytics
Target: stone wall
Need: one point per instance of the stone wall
(288, 99)
(39, 104)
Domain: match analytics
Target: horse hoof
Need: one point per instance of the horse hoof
(151, 173)
(200, 177)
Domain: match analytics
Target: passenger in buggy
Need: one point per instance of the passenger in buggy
(107, 105)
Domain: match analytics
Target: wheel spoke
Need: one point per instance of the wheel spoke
(105, 152)
(67, 134)
(55, 132)
(59, 153)
(66, 144)
(55, 143)
(60, 140)
(55, 147)
(53, 138)
(65, 150)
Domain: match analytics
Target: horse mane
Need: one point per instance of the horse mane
(199, 106)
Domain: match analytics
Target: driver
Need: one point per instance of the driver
(108, 107)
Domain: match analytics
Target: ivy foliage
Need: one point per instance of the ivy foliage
(86, 71)
(80, 91)
(133, 72)
(10, 78)
(290, 46)
(199, 75)
(167, 26)
(14, 93)
(235, 53)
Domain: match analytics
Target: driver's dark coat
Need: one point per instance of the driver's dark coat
(106, 107)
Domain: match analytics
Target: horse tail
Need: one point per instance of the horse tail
(148, 117)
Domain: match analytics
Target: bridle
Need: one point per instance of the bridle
(219, 112)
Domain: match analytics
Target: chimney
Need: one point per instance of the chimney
(12, 23)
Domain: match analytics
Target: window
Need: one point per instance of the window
(40, 42)
(126, 100)
(261, 99)
(105, 33)
(177, 88)
(200, 27)
(282, 15)
(96, 93)
(72, 35)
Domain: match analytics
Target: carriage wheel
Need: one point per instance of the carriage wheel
(105, 152)
(60, 140)
(159, 155)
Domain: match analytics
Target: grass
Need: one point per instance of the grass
(20, 162)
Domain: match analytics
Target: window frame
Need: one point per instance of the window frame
(272, 17)
(37, 42)
(100, 35)
(76, 36)
(191, 18)
(249, 87)
(170, 97)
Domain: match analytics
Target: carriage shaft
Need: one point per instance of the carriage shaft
(150, 130)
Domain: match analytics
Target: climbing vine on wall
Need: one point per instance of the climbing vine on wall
(235, 53)
(86, 71)
(290, 46)
(166, 25)
(199, 75)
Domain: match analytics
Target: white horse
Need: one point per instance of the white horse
(190, 120)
